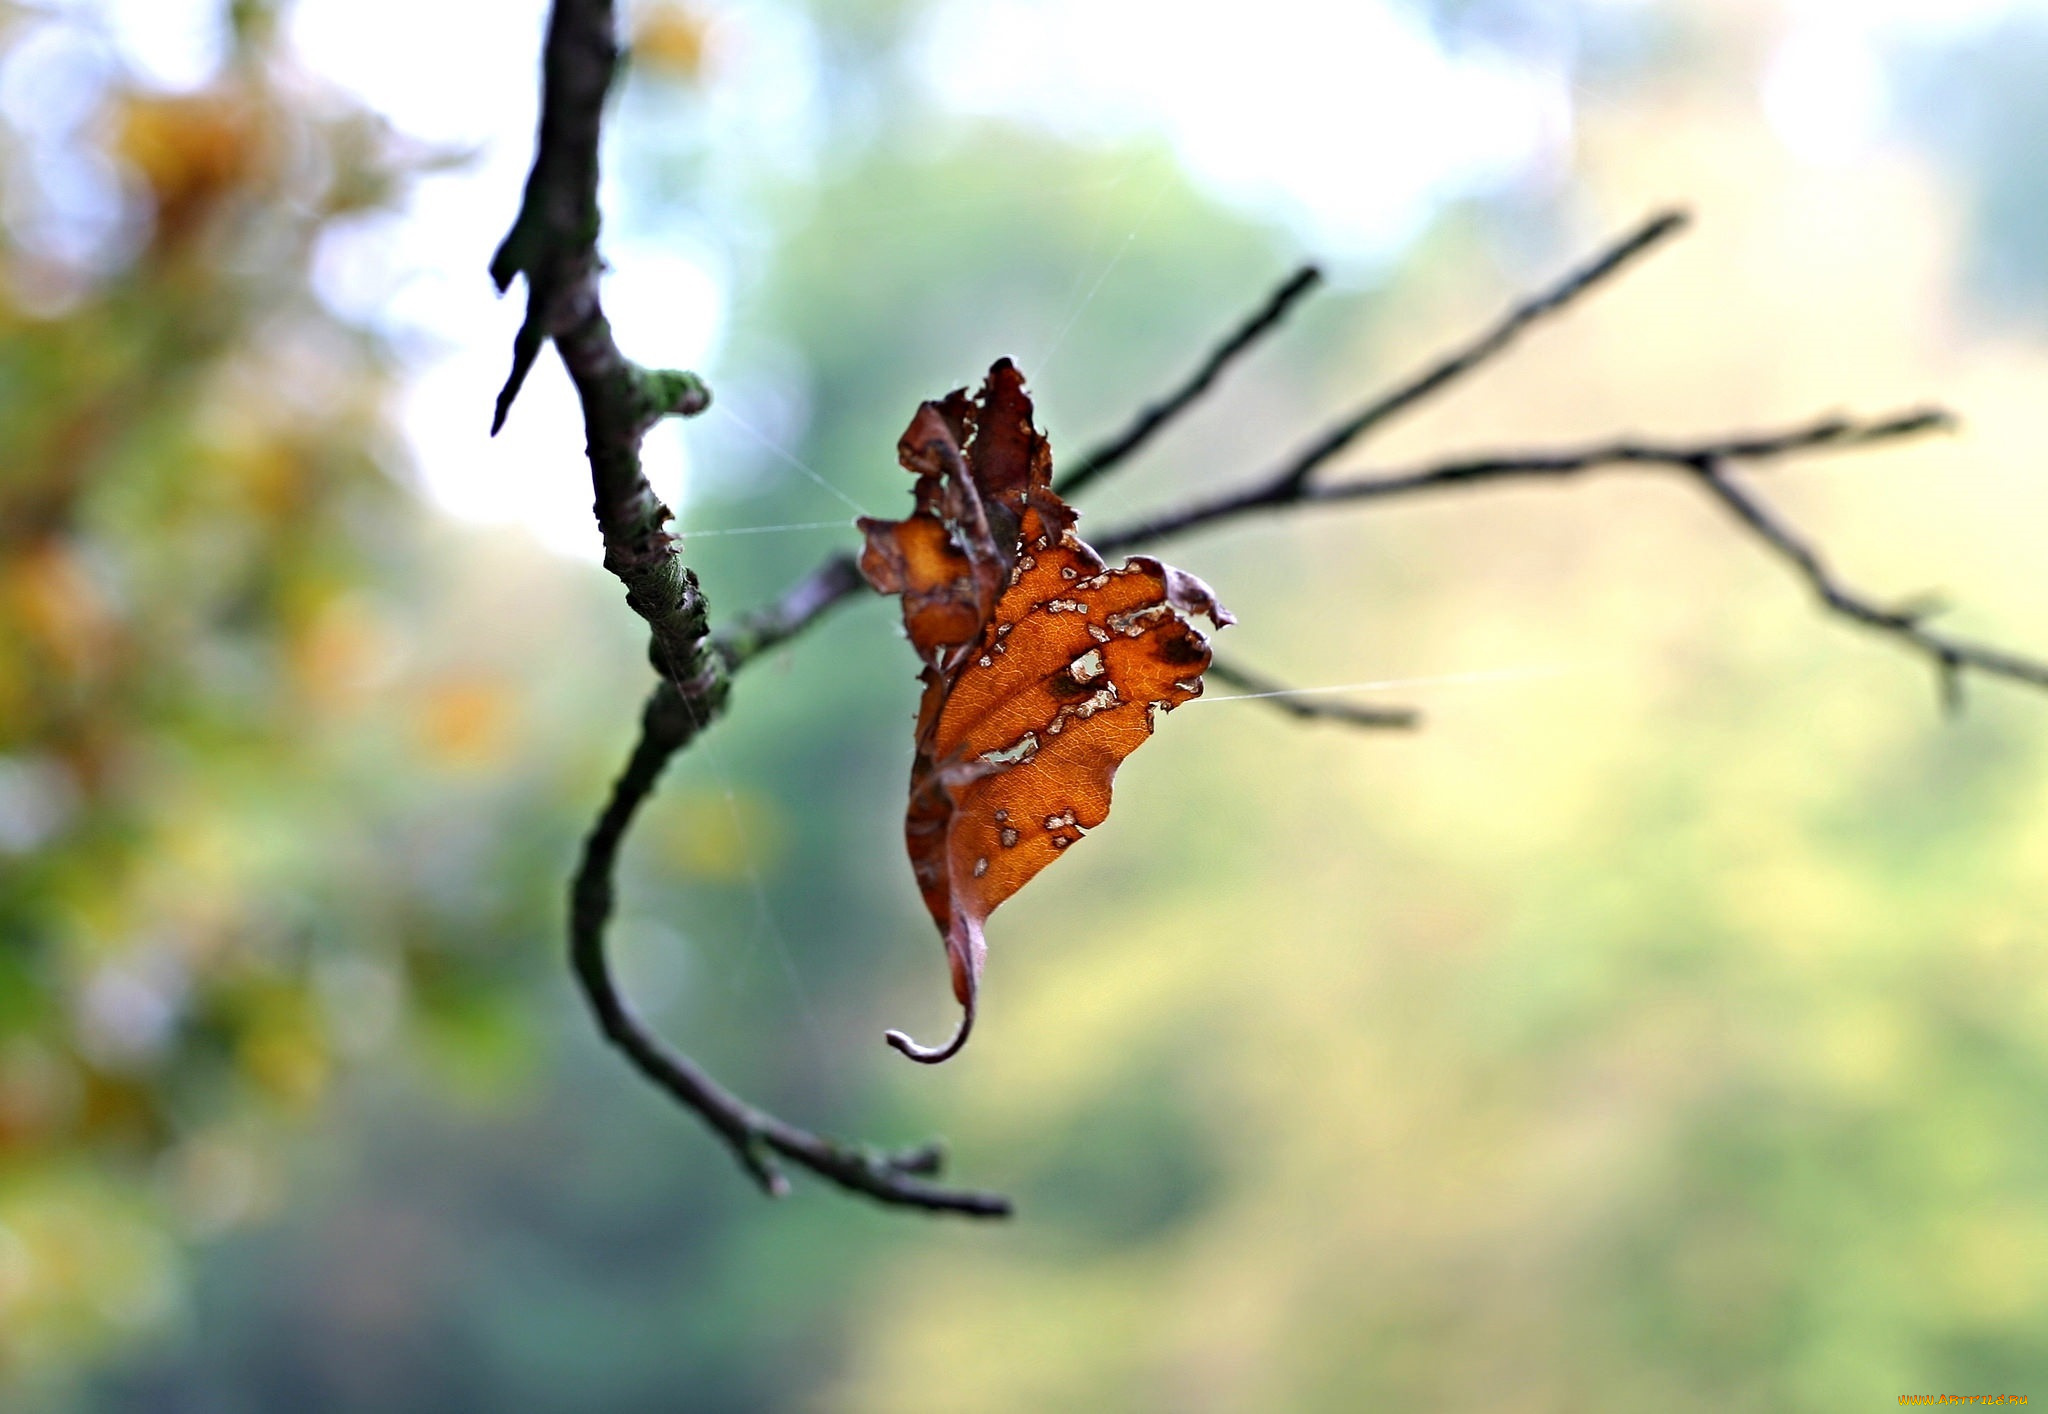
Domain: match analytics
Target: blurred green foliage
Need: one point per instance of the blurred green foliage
(189, 443)
(1660, 1031)
(239, 796)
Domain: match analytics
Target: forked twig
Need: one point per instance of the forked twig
(1907, 624)
(1490, 343)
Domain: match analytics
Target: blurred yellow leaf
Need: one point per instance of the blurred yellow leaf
(220, 1179)
(466, 723)
(340, 654)
(725, 838)
(49, 592)
(670, 40)
(270, 473)
(284, 1053)
(191, 151)
(74, 1256)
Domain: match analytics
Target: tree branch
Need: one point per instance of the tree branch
(838, 577)
(1154, 418)
(833, 582)
(1950, 656)
(1281, 492)
(553, 243)
(1290, 485)
(755, 1137)
(1708, 462)
(1495, 340)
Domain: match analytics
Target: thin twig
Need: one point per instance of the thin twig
(838, 579)
(755, 1136)
(832, 583)
(1708, 462)
(1154, 418)
(1492, 341)
(1289, 485)
(1279, 492)
(827, 585)
(1835, 432)
(1950, 656)
(1281, 698)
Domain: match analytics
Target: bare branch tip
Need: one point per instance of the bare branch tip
(1932, 419)
(1950, 671)
(1366, 718)
(504, 263)
(926, 1160)
(1915, 610)
(751, 1148)
(1667, 221)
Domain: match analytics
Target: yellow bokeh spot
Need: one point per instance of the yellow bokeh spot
(725, 838)
(669, 40)
(191, 151)
(270, 475)
(466, 724)
(285, 1057)
(339, 654)
(49, 593)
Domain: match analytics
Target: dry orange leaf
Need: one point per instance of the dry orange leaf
(1043, 669)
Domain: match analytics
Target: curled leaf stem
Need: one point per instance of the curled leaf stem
(932, 1055)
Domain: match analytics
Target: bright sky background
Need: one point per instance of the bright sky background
(1321, 89)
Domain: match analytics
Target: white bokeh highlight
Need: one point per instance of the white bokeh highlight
(1350, 121)
(1347, 119)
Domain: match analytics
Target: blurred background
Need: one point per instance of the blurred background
(1662, 1027)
